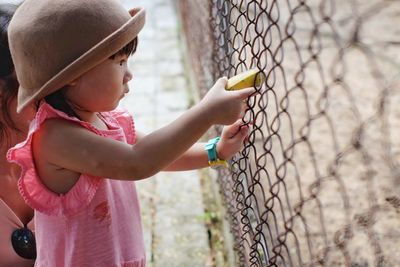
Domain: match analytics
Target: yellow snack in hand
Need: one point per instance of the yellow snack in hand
(250, 78)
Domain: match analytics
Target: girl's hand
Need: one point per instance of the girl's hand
(225, 107)
(232, 140)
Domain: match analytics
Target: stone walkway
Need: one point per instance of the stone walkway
(172, 208)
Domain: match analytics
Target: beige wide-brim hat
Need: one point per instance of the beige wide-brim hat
(53, 42)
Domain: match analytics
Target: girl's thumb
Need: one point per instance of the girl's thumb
(244, 130)
(222, 82)
(232, 130)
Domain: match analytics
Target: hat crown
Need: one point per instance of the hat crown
(47, 35)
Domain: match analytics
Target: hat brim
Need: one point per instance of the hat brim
(103, 50)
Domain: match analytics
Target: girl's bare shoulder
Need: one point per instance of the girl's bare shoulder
(58, 131)
(53, 136)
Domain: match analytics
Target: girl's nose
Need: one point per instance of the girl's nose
(128, 76)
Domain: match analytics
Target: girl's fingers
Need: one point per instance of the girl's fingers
(237, 128)
(244, 106)
(243, 131)
(245, 93)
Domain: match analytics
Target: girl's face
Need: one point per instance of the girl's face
(101, 88)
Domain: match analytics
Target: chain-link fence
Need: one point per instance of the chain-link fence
(318, 183)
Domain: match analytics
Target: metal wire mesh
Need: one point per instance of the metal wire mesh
(318, 182)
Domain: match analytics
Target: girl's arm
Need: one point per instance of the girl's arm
(67, 146)
(231, 142)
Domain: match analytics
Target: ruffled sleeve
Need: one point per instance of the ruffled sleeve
(125, 120)
(34, 192)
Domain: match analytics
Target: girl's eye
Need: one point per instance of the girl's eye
(122, 62)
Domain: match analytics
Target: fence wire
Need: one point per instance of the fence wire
(318, 183)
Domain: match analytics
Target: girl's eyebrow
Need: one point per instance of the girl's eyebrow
(119, 57)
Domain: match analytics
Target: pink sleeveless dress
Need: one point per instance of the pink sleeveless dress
(97, 223)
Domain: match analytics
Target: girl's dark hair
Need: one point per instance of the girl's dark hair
(8, 83)
(57, 99)
(127, 50)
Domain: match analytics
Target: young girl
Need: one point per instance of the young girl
(81, 155)
(17, 243)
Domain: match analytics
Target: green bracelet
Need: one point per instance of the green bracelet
(211, 148)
